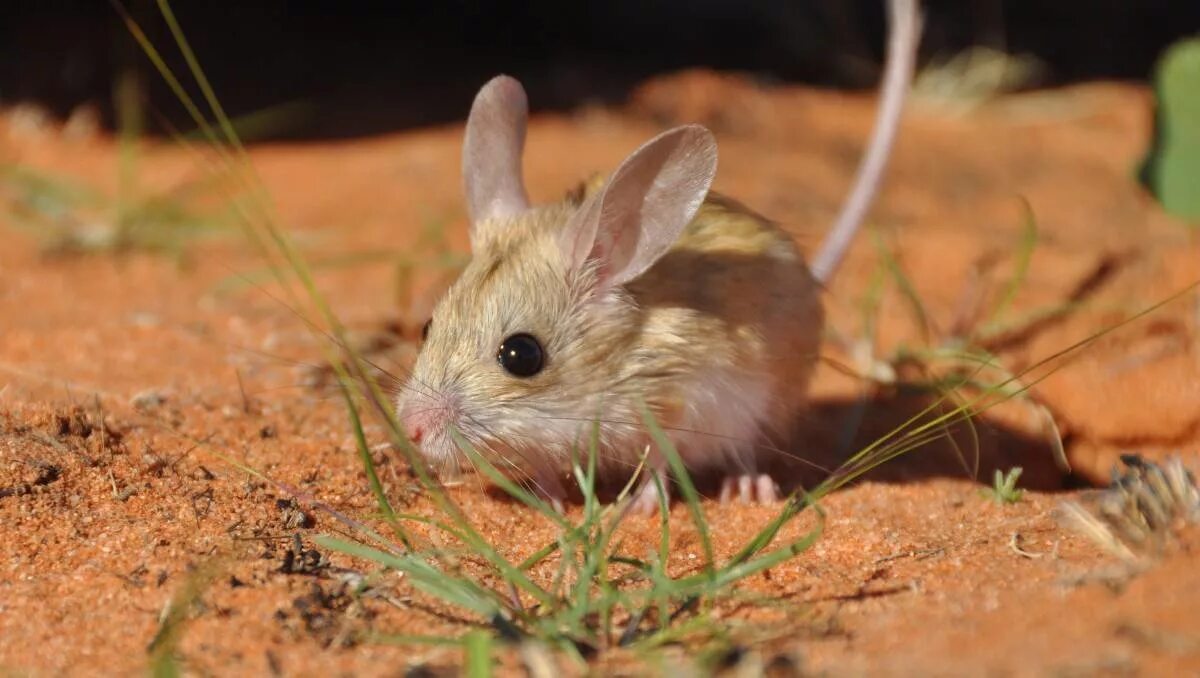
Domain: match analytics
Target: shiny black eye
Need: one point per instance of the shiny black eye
(425, 329)
(521, 355)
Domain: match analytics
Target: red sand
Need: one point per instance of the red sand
(916, 574)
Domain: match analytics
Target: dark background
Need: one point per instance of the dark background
(351, 68)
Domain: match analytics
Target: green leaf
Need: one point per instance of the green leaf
(1171, 169)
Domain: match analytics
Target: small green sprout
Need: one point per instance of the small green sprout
(1004, 488)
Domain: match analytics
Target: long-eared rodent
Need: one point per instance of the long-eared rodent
(646, 287)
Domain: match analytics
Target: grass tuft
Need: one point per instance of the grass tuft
(956, 365)
(72, 219)
(68, 218)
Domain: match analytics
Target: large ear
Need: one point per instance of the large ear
(492, 149)
(644, 207)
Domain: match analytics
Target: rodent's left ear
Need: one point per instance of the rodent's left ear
(644, 207)
(492, 149)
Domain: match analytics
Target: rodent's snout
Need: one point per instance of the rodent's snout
(424, 417)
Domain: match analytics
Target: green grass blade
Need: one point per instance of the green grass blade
(680, 473)
(477, 651)
(368, 462)
(457, 591)
(1024, 253)
(164, 7)
(905, 285)
(737, 571)
(488, 469)
(166, 73)
(540, 555)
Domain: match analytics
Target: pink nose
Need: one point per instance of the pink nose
(415, 424)
(421, 418)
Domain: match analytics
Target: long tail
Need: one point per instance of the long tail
(904, 38)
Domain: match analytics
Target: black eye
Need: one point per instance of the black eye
(425, 329)
(521, 355)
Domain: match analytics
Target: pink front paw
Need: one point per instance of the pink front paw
(645, 498)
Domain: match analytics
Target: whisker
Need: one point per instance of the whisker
(519, 452)
(272, 357)
(679, 429)
(329, 336)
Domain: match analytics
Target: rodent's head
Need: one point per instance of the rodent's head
(522, 351)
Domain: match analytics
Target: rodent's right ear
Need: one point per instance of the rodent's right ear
(646, 204)
(492, 148)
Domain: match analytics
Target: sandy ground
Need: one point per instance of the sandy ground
(192, 373)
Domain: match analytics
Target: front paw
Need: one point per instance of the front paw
(645, 500)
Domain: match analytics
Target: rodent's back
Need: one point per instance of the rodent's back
(733, 314)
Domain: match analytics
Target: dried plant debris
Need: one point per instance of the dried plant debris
(46, 474)
(78, 425)
(299, 560)
(330, 614)
(293, 514)
(1138, 515)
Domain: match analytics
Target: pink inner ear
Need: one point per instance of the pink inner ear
(578, 238)
(642, 210)
(492, 148)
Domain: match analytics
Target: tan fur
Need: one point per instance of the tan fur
(719, 337)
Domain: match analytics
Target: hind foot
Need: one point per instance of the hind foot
(749, 488)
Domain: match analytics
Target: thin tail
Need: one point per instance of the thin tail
(904, 36)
